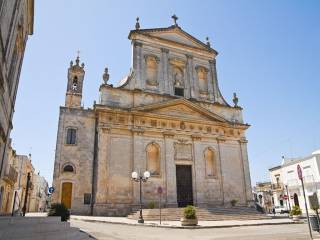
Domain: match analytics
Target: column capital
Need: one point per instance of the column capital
(137, 44)
(189, 56)
(212, 61)
(196, 137)
(168, 134)
(221, 139)
(137, 130)
(164, 50)
(243, 140)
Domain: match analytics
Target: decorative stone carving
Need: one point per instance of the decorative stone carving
(235, 100)
(202, 74)
(182, 151)
(153, 159)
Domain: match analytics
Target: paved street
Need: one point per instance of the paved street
(105, 231)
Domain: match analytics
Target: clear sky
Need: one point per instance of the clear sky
(268, 53)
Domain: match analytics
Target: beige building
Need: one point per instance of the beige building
(167, 116)
(16, 23)
(39, 194)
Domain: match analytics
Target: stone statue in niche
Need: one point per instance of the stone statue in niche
(177, 77)
(152, 70)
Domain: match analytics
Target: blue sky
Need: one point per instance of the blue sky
(268, 54)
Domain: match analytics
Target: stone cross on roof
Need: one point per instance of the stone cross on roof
(175, 18)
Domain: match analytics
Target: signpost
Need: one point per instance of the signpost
(160, 191)
(299, 170)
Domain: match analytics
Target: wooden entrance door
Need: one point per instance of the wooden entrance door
(184, 185)
(66, 195)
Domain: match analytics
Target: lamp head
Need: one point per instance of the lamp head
(134, 175)
(146, 174)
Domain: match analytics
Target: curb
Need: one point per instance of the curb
(186, 227)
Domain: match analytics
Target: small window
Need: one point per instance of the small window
(87, 198)
(71, 136)
(68, 168)
(179, 92)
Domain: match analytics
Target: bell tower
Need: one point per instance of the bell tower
(75, 83)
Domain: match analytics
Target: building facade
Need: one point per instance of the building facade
(39, 195)
(262, 193)
(287, 188)
(16, 23)
(167, 116)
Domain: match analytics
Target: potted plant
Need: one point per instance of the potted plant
(58, 209)
(189, 216)
(233, 202)
(295, 213)
(151, 205)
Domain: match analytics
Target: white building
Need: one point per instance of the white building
(286, 183)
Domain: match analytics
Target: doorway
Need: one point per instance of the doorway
(184, 185)
(66, 196)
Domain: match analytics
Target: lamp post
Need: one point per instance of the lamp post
(137, 177)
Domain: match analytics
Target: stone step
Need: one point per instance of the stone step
(203, 214)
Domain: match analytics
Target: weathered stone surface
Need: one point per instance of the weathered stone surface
(113, 138)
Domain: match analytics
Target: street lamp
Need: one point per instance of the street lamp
(137, 177)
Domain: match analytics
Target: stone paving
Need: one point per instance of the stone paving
(176, 224)
(108, 231)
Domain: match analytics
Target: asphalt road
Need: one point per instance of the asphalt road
(106, 231)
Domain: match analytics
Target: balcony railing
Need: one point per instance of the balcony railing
(11, 175)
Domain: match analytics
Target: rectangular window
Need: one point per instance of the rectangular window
(87, 198)
(179, 92)
(71, 136)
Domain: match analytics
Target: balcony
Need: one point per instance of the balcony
(10, 175)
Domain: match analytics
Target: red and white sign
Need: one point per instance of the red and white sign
(285, 197)
(299, 172)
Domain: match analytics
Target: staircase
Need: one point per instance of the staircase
(38, 228)
(203, 214)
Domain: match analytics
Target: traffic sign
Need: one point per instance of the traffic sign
(285, 197)
(299, 171)
(51, 189)
(159, 190)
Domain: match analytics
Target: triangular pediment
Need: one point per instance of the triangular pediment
(174, 34)
(181, 108)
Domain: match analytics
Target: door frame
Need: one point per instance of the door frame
(192, 182)
(72, 190)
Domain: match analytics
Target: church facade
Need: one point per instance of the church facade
(167, 116)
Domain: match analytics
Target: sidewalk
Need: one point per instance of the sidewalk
(176, 224)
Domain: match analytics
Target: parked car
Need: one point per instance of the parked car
(281, 209)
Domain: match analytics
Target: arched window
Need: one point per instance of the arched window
(68, 168)
(178, 82)
(153, 159)
(210, 162)
(203, 79)
(71, 136)
(152, 69)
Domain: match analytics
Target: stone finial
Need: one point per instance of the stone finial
(137, 24)
(175, 18)
(208, 42)
(71, 63)
(235, 100)
(105, 76)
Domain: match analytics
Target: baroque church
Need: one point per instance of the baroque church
(168, 117)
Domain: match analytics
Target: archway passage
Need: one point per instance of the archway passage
(296, 199)
(66, 195)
